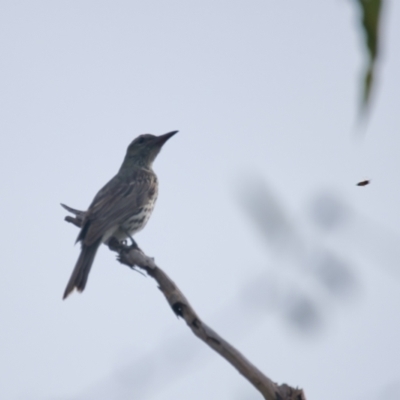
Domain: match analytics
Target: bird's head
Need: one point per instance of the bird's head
(144, 149)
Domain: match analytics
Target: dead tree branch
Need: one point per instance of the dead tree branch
(133, 256)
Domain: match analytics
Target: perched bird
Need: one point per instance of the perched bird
(122, 207)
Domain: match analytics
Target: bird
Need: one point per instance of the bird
(122, 207)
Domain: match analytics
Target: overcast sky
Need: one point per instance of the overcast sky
(259, 219)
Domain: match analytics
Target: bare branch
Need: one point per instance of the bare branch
(133, 256)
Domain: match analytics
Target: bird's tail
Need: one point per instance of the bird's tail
(82, 268)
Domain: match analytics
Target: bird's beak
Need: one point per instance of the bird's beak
(160, 140)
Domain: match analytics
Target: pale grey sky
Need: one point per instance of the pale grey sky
(265, 96)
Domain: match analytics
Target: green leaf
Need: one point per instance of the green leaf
(370, 15)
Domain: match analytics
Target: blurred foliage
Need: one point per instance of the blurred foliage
(370, 19)
(309, 276)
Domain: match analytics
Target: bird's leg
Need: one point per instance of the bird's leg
(134, 245)
(120, 246)
(116, 245)
(124, 242)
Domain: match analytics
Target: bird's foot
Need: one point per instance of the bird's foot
(134, 268)
(120, 258)
(133, 245)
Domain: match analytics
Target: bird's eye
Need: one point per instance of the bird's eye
(140, 140)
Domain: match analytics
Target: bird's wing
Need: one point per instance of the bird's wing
(115, 202)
